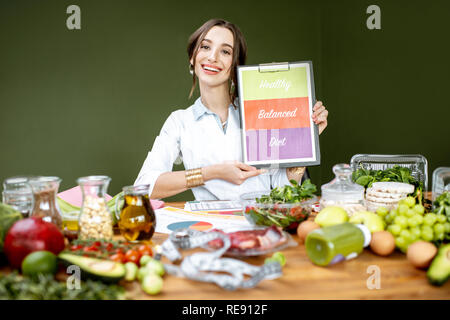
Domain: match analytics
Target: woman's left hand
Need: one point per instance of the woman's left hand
(320, 116)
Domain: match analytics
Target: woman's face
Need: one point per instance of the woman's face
(214, 57)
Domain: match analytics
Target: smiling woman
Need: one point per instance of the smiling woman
(206, 136)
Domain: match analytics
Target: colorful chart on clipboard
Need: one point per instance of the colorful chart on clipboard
(169, 219)
(276, 108)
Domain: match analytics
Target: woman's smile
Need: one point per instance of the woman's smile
(211, 69)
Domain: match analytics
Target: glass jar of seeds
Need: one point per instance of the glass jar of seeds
(95, 220)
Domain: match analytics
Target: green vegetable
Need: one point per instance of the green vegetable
(280, 257)
(442, 204)
(439, 271)
(290, 193)
(155, 266)
(144, 260)
(131, 271)
(15, 287)
(286, 217)
(8, 216)
(96, 269)
(152, 284)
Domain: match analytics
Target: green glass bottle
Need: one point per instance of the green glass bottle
(330, 245)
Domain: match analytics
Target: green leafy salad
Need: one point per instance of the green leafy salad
(284, 207)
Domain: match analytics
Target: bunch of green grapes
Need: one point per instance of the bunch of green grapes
(409, 223)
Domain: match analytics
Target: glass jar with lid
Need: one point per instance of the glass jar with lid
(95, 220)
(342, 191)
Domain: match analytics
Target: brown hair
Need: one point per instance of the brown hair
(239, 50)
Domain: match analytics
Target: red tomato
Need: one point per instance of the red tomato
(109, 246)
(76, 247)
(90, 248)
(96, 244)
(133, 256)
(119, 250)
(118, 257)
(145, 250)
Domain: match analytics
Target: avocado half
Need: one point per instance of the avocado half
(439, 271)
(96, 269)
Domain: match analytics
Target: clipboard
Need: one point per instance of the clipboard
(276, 101)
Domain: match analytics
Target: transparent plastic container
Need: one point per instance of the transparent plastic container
(441, 181)
(417, 163)
(342, 191)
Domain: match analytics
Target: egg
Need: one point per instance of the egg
(382, 243)
(421, 253)
(304, 228)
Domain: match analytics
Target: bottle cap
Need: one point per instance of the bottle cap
(367, 234)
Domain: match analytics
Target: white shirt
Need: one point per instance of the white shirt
(195, 135)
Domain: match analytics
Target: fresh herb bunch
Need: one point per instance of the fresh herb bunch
(16, 287)
(290, 193)
(367, 177)
(442, 204)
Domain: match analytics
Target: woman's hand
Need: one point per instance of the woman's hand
(232, 171)
(320, 116)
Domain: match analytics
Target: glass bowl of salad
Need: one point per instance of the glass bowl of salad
(284, 207)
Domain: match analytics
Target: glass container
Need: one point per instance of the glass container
(342, 191)
(18, 194)
(136, 220)
(95, 220)
(45, 205)
(441, 181)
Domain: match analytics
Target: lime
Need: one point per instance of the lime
(39, 262)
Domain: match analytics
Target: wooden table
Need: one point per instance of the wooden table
(398, 279)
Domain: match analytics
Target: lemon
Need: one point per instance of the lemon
(39, 262)
(330, 216)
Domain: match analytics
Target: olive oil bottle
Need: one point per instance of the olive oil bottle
(137, 219)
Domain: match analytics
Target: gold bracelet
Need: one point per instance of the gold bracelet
(298, 171)
(194, 178)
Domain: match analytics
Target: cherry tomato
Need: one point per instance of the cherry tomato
(90, 248)
(109, 246)
(132, 256)
(76, 247)
(145, 250)
(119, 250)
(118, 257)
(96, 244)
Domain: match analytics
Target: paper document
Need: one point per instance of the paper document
(169, 219)
(213, 205)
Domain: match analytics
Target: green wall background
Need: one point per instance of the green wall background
(92, 101)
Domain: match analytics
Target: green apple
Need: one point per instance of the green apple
(330, 216)
(371, 220)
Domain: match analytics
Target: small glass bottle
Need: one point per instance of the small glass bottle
(95, 220)
(45, 205)
(342, 191)
(330, 245)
